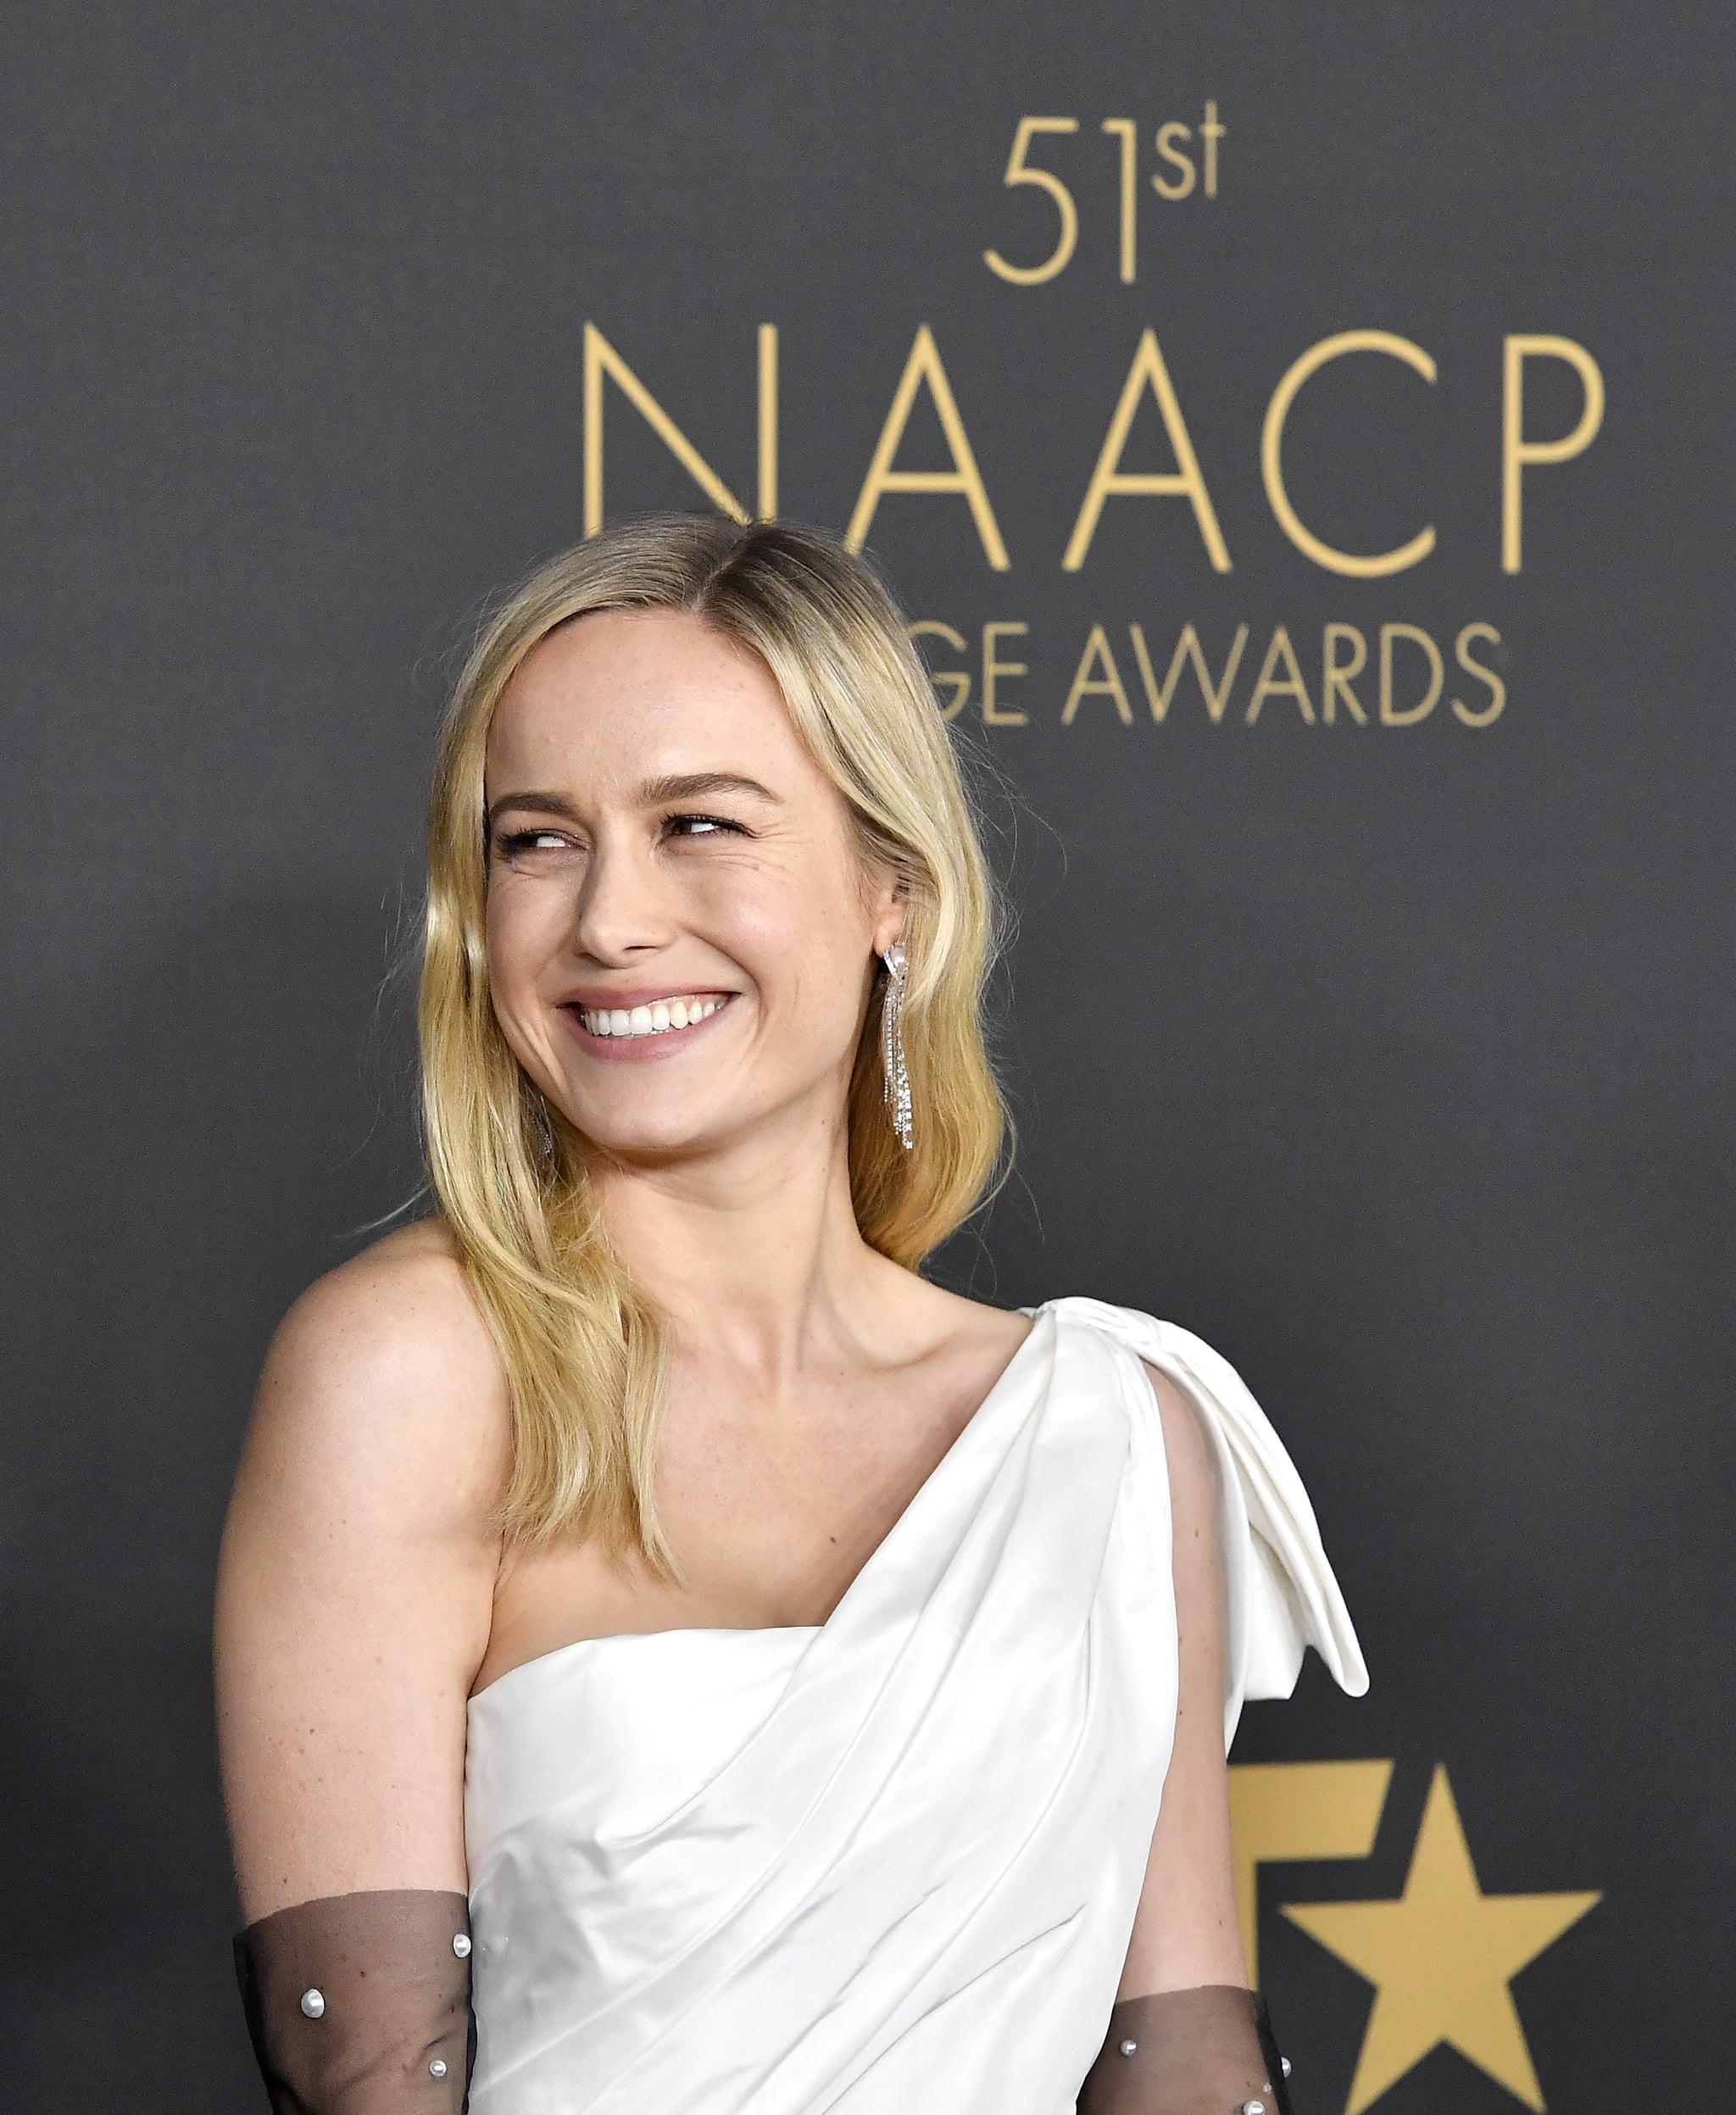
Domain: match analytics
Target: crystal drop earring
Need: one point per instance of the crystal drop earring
(895, 1079)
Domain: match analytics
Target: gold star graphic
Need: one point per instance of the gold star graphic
(1440, 1958)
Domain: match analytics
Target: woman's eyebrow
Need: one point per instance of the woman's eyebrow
(693, 785)
(541, 804)
(672, 786)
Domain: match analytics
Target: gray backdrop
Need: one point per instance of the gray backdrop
(1395, 1059)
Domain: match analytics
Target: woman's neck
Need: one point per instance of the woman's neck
(752, 1253)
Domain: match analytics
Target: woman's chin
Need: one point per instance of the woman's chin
(660, 1131)
(650, 1134)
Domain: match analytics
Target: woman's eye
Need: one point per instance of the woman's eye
(701, 826)
(516, 842)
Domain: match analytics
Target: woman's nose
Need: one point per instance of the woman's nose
(624, 906)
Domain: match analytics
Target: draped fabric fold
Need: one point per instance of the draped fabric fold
(1283, 1596)
(891, 1861)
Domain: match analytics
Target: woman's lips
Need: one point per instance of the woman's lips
(638, 1035)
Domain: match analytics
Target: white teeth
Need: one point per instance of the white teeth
(657, 1019)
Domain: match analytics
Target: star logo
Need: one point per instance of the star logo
(1441, 1958)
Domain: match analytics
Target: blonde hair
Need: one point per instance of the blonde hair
(585, 1353)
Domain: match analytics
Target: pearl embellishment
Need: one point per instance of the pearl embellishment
(1252, 2108)
(437, 2068)
(314, 2003)
(1128, 2047)
(1285, 2061)
(461, 1946)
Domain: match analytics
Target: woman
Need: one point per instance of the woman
(670, 1655)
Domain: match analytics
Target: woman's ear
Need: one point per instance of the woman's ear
(887, 900)
(894, 918)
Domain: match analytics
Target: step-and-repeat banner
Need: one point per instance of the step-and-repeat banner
(1297, 437)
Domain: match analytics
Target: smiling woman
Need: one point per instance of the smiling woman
(671, 1653)
(775, 683)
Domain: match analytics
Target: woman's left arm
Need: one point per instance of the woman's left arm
(1187, 2036)
(1186, 1932)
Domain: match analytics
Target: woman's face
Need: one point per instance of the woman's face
(681, 933)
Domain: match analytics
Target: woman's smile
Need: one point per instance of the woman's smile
(639, 1024)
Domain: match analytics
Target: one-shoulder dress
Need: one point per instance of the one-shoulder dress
(889, 1863)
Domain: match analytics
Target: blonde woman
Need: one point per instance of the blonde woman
(670, 1655)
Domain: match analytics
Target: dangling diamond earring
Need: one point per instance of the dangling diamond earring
(895, 1080)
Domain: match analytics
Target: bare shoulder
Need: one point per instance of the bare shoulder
(356, 1579)
(403, 1298)
(387, 1356)
(381, 1387)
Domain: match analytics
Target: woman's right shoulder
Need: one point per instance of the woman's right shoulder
(403, 1298)
(355, 1583)
(386, 1362)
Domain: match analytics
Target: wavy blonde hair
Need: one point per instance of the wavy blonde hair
(585, 1353)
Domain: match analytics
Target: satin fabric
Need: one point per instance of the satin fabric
(889, 1863)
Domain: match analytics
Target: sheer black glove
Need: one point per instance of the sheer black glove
(1204, 2052)
(360, 2004)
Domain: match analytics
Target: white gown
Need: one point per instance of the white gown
(889, 1865)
